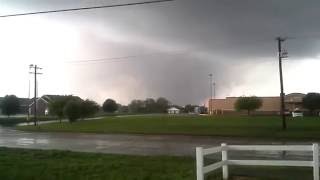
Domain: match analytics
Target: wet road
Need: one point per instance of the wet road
(134, 144)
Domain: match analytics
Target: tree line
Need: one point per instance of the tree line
(149, 105)
(74, 108)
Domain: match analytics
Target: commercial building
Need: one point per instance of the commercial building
(270, 105)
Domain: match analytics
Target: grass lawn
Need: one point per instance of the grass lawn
(240, 126)
(16, 164)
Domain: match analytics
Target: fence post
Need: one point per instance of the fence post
(224, 153)
(315, 149)
(199, 159)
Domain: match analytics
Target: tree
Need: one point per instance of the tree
(162, 104)
(56, 107)
(10, 105)
(123, 108)
(189, 108)
(89, 108)
(150, 105)
(203, 110)
(109, 106)
(311, 101)
(137, 106)
(248, 103)
(72, 110)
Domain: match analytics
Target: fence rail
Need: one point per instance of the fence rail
(224, 148)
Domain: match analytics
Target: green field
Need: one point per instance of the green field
(22, 164)
(240, 126)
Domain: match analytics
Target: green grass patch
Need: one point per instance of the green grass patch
(16, 164)
(239, 126)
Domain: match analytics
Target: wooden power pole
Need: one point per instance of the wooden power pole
(282, 108)
(35, 67)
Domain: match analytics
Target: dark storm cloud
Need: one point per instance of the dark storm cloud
(244, 27)
(219, 36)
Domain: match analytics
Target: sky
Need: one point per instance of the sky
(160, 50)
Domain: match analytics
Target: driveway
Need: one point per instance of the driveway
(134, 144)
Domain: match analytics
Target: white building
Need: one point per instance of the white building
(173, 110)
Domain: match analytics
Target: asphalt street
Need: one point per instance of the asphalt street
(178, 145)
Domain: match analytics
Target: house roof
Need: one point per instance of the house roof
(22, 101)
(173, 108)
(49, 98)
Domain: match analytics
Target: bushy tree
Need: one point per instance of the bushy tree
(89, 108)
(248, 103)
(162, 104)
(123, 108)
(189, 108)
(137, 106)
(109, 106)
(56, 107)
(72, 110)
(10, 105)
(150, 105)
(311, 101)
(203, 110)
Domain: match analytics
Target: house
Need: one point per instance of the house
(43, 104)
(173, 110)
(270, 105)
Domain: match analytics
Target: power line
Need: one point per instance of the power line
(124, 58)
(85, 8)
(111, 59)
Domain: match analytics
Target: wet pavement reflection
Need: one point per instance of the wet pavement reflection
(140, 144)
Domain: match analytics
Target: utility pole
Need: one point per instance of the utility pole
(281, 55)
(210, 101)
(214, 90)
(28, 117)
(35, 67)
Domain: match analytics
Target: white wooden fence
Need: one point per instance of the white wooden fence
(224, 148)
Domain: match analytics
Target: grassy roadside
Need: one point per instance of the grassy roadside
(241, 126)
(12, 121)
(16, 164)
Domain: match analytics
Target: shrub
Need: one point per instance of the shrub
(72, 110)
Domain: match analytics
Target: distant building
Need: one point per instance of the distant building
(197, 110)
(270, 105)
(173, 110)
(24, 103)
(43, 104)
